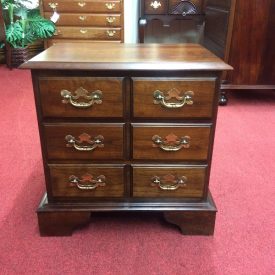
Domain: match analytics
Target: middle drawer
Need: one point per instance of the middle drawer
(84, 141)
(181, 142)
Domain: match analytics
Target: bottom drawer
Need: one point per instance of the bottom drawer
(169, 181)
(86, 181)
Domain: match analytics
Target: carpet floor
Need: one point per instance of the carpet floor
(242, 183)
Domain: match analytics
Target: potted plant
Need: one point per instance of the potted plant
(23, 26)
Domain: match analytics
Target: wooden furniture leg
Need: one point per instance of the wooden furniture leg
(61, 223)
(193, 222)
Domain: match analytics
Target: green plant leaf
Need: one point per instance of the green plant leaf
(14, 34)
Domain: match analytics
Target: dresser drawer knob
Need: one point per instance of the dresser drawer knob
(185, 99)
(110, 19)
(90, 98)
(111, 33)
(83, 31)
(88, 181)
(89, 143)
(169, 182)
(81, 4)
(171, 143)
(82, 17)
(53, 5)
(110, 6)
(155, 4)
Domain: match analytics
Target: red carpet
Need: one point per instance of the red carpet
(242, 182)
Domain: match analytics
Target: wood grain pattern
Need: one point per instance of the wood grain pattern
(61, 186)
(143, 97)
(143, 145)
(51, 100)
(56, 144)
(142, 179)
(249, 43)
(98, 56)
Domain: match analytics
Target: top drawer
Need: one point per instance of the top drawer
(173, 97)
(87, 6)
(81, 96)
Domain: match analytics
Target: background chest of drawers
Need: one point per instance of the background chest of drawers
(87, 20)
(171, 21)
(120, 132)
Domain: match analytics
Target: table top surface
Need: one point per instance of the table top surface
(118, 56)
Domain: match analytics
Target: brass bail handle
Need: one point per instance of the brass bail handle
(88, 181)
(169, 182)
(84, 142)
(171, 143)
(162, 99)
(91, 98)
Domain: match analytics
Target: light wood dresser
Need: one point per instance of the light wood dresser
(86, 21)
(130, 129)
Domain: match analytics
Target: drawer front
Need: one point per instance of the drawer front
(51, 42)
(86, 181)
(85, 6)
(88, 33)
(81, 96)
(171, 142)
(159, 181)
(82, 19)
(173, 98)
(84, 141)
(155, 7)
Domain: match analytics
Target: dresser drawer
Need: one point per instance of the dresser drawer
(171, 142)
(84, 19)
(86, 181)
(155, 7)
(85, 6)
(169, 181)
(84, 141)
(51, 42)
(88, 33)
(81, 96)
(173, 97)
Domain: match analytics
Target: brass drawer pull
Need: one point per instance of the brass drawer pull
(83, 31)
(110, 6)
(186, 99)
(169, 182)
(171, 143)
(53, 5)
(155, 4)
(86, 139)
(110, 19)
(111, 33)
(82, 17)
(88, 182)
(91, 97)
(81, 4)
